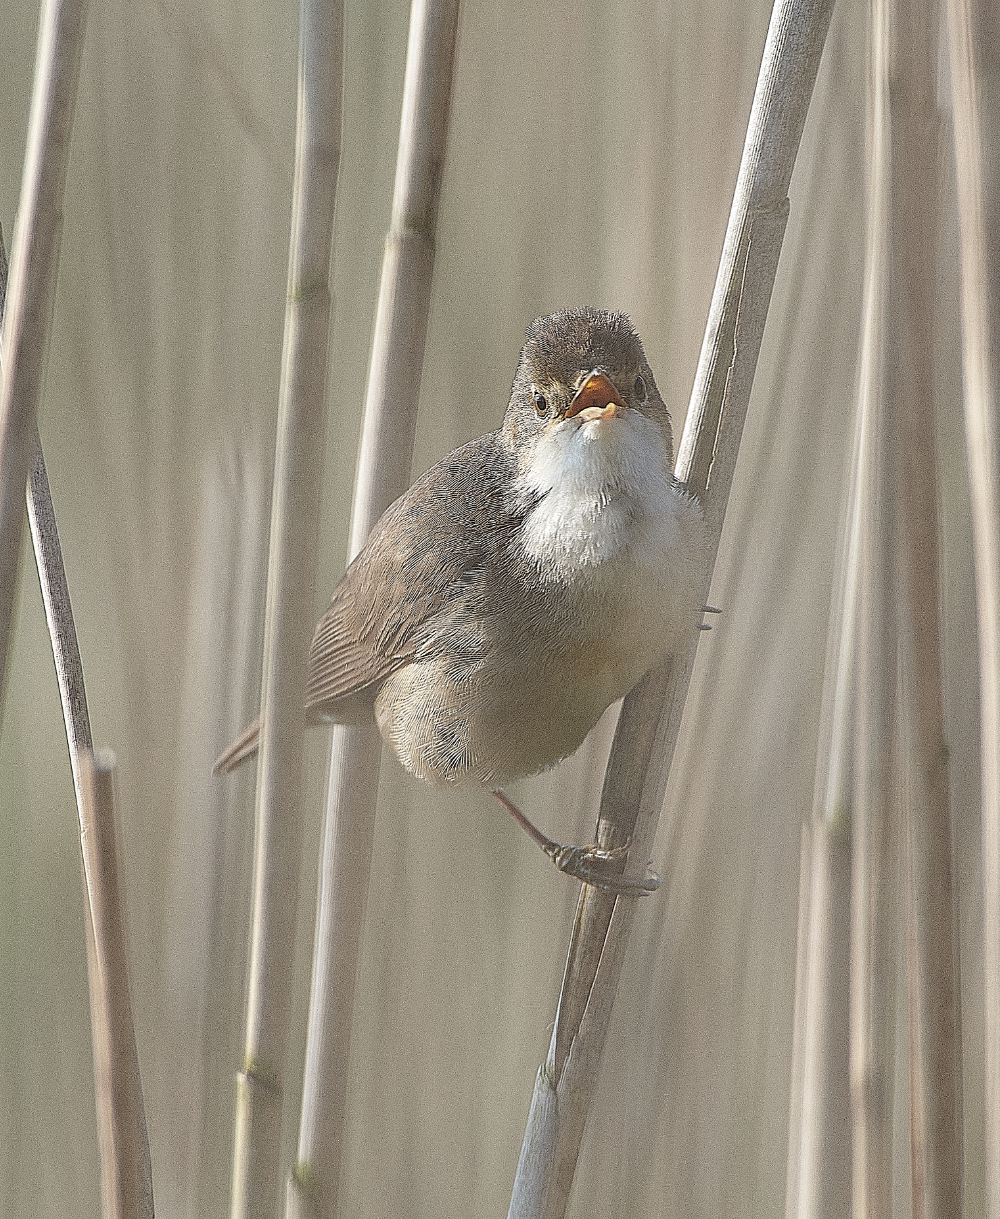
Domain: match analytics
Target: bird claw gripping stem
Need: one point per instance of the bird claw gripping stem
(592, 865)
(600, 868)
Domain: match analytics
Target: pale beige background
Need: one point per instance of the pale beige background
(593, 153)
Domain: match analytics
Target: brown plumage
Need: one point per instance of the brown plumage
(525, 581)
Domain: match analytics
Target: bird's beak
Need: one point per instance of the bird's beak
(597, 398)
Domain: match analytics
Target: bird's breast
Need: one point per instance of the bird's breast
(621, 577)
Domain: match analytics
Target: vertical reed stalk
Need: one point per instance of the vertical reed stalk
(890, 621)
(126, 1173)
(33, 270)
(932, 968)
(59, 615)
(819, 1124)
(818, 1184)
(974, 38)
(383, 474)
(126, 1176)
(289, 614)
(874, 807)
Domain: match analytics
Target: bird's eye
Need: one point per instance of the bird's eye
(640, 388)
(541, 406)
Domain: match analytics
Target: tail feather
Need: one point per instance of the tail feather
(245, 746)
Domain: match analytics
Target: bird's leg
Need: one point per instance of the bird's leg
(593, 865)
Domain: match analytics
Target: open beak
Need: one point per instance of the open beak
(596, 398)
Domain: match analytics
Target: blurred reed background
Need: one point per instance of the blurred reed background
(592, 156)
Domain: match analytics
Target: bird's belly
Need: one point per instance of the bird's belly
(505, 724)
(527, 700)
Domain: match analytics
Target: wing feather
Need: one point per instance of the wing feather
(421, 554)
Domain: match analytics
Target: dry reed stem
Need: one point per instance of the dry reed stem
(650, 719)
(407, 269)
(289, 617)
(58, 614)
(383, 474)
(932, 967)
(874, 809)
(33, 271)
(126, 1175)
(818, 1180)
(819, 1122)
(55, 593)
(974, 41)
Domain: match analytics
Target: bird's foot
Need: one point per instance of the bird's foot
(593, 865)
(602, 869)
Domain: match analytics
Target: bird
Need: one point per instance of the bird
(523, 583)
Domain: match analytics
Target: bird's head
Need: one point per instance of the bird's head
(584, 398)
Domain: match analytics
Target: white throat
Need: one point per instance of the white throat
(606, 489)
